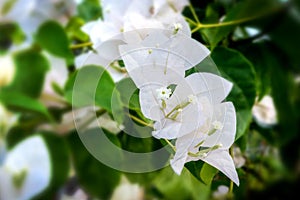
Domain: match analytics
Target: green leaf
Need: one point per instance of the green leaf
(202, 171)
(129, 93)
(185, 186)
(89, 10)
(207, 173)
(239, 70)
(98, 89)
(95, 178)
(52, 37)
(20, 102)
(73, 29)
(31, 68)
(10, 33)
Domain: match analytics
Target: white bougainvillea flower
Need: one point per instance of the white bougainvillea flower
(26, 170)
(189, 105)
(100, 31)
(7, 69)
(128, 15)
(210, 143)
(264, 112)
(112, 23)
(158, 48)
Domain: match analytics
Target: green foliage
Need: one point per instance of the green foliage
(96, 178)
(21, 103)
(52, 37)
(254, 44)
(240, 13)
(89, 10)
(10, 34)
(98, 89)
(29, 65)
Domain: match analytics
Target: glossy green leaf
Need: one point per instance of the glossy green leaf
(207, 173)
(185, 186)
(89, 10)
(31, 68)
(96, 178)
(239, 70)
(73, 29)
(52, 37)
(21, 103)
(10, 34)
(92, 85)
(129, 93)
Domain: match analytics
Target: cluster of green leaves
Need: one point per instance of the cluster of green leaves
(259, 64)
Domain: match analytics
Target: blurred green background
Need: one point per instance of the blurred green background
(257, 48)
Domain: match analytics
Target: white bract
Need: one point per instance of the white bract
(264, 112)
(7, 69)
(134, 15)
(26, 170)
(209, 144)
(161, 48)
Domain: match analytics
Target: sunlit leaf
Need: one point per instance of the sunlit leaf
(52, 37)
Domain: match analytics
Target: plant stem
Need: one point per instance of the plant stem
(170, 144)
(139, 120)
(81, 45)
(194, 14)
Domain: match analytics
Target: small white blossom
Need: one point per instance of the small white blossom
(192, 99)
(7, 69)
(264, 112)
(221, 193)
(163, 93)
(217, 125)
(177, 27)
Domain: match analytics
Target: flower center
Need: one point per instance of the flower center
(163, 93)
(177, 27)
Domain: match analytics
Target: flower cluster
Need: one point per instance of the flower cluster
(157, 49)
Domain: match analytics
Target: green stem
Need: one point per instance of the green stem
(194, 14)
(233, 22)
(191, 21)
(81, 45)
(170, 144)
(139, 120)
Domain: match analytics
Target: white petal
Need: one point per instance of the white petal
(177, 163)
(33, 156)
(150, 105)
(221, 160)
(171, 129)
(7, 190)
(224, 113)
(156, 75)
(212, 86)
(190, 50)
